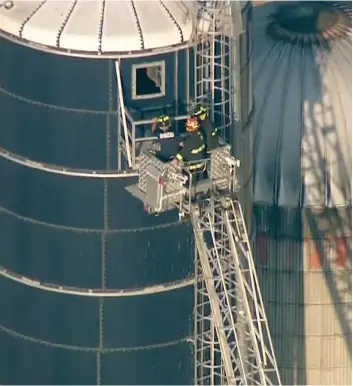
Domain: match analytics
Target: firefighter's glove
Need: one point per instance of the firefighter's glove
(156, 146)
(175, 163)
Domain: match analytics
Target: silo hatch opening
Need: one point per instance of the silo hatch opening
(148, 80)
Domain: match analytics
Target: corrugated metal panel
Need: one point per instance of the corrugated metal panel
(302, 77)
(298, 223)
(243, 143)
(309, 309)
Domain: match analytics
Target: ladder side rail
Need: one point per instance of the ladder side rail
(212, 78)
(253, 288)
(228, 290)
(220, 268)
(120, 141)
(122, 109)
(257, 292)
(212, 351)
(208, 277)
(246, 306)
(224, 265)
(202, 316)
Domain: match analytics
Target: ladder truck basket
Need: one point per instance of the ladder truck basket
(223, 173)
(163, 186)
(160, 186)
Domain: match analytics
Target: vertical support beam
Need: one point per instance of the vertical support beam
(123, 115)
(120, 139)
(187, 74)
(196, 318)
(176, 83)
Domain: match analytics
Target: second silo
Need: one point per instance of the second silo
(302, 185)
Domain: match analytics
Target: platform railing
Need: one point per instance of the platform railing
(164, 186)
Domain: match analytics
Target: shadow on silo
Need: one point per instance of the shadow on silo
(289, 235)
(329, 228)
(280, 271)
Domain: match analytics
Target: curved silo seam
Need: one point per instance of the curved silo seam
(138, 25)
(90, 230)
(55, 107)
(173, 20)
(61, 30)
(67, 109)
(61, 170)
(101, 24)
(104, 350)
(95, 292)
(29, 17)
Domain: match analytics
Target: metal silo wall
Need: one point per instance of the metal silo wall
(244, 141)
(303, 260)
(81, 232)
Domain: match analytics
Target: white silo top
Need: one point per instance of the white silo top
(98, 27)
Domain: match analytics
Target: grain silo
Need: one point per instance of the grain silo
(65, 224)
(93, 290)
(302, 185)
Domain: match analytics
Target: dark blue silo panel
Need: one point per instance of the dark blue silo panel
(49, 317)
(73, 325)
(57, 229)
(45, 99)
(169, 365)
(56, 80)
(20, 357)
(52, 254)
(36, 130)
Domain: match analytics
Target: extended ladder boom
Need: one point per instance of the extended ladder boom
(235, 347)
(232, 339)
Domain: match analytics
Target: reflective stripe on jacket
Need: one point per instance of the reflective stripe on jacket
(193, 149)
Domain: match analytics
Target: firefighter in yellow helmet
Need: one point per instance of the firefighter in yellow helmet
(207, 128)
(193, 149)
(167, 145)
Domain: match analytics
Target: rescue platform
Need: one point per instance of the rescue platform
(164, 186)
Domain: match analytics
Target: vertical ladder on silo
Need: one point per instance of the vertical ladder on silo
(219, 23)
(228, 295)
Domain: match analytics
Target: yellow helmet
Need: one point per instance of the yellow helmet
(201, 113)
(164, 121)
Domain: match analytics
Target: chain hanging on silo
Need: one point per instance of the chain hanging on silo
(219, 23)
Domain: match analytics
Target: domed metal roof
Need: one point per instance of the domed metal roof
(302, 79)
(98, 27)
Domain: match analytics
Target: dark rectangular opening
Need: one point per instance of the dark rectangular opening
(149, 81)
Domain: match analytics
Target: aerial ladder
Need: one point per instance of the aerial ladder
(227, 288)
(232, 343)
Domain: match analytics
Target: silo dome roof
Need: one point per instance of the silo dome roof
(98, 27)
(302, 82)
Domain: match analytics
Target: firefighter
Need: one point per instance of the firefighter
(207, 128)
(167, 145)
(193, 151)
